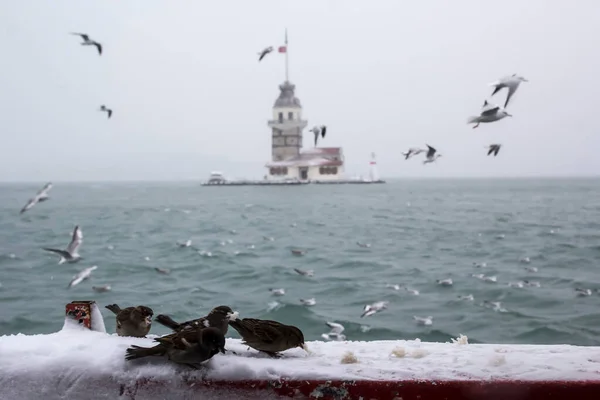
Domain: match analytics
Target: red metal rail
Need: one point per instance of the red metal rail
(380, 390)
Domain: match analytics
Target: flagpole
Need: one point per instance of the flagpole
(287, 50)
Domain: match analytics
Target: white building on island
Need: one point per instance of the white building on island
(289, 161)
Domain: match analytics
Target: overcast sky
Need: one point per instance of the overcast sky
(189, 95)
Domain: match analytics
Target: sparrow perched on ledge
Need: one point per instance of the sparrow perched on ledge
(267, 336)
(190, 347)
(132, 321)
(219, 317)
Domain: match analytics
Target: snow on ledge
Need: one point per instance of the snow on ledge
(75, 350)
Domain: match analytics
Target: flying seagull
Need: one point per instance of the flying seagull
(494, 148)
(108, 110)
(82, 276)
(70, 254)
(316, 130)
(88, 42)
(263, 53)
(413, 151)
(489, 113)
(511, 82)
(42, 195)
(430, 155)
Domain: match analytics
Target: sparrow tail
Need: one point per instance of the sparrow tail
(114, 308)
(167, 321)
(135, 352)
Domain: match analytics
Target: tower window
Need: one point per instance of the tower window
(280, 117)
(290, 115)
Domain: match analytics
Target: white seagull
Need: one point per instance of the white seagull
(335, 333)
(414, 292)
(583, 292)
(108, 111)
(468, 297)
(308, 302)
(423, 320)
(101, 289)
(277, 292)
(374, 308)
(318, 130)
(308, 272)
(413, 151)
(88, 42)
(430, 155)
(42, 195)
(445, 282)
(70, 254)
(263, 53)
(163, 271)
(511, 82)
(81, 276)
(494, 148)
(489, 113)
(187, 243)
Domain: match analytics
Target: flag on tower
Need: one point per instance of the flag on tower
(283, 49)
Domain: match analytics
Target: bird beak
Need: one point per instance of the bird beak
(508, 115)
(222, 350)
(525, 80)
(233, 316)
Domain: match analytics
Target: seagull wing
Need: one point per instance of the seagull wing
(323, 130)
(63, 253)
(262, 55)
(497, 88)
(44, 191)
(430, 152)
(335, 327)
(496, 150)
(83, 35)
(316, 137)
(30, 203)
(99, 47)
(109, 113)
(490, 151)
(512, 88)
(75, 241)
(491, 109)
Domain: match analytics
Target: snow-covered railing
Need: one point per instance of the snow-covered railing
(78, 362)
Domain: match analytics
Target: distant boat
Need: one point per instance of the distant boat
(216, 178)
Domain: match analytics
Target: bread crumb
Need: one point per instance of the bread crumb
(419, 353)
(399, 352)
(461, 339)
(497, 360)
(349, 358)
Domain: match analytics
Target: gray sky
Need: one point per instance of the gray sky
(189, 95)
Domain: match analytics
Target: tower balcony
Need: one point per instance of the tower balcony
(283, 124)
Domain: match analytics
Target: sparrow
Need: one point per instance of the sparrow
(189, 347)
(267, 336)
(219, 317)
(132, 321)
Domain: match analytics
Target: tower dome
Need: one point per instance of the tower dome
(286, 98)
